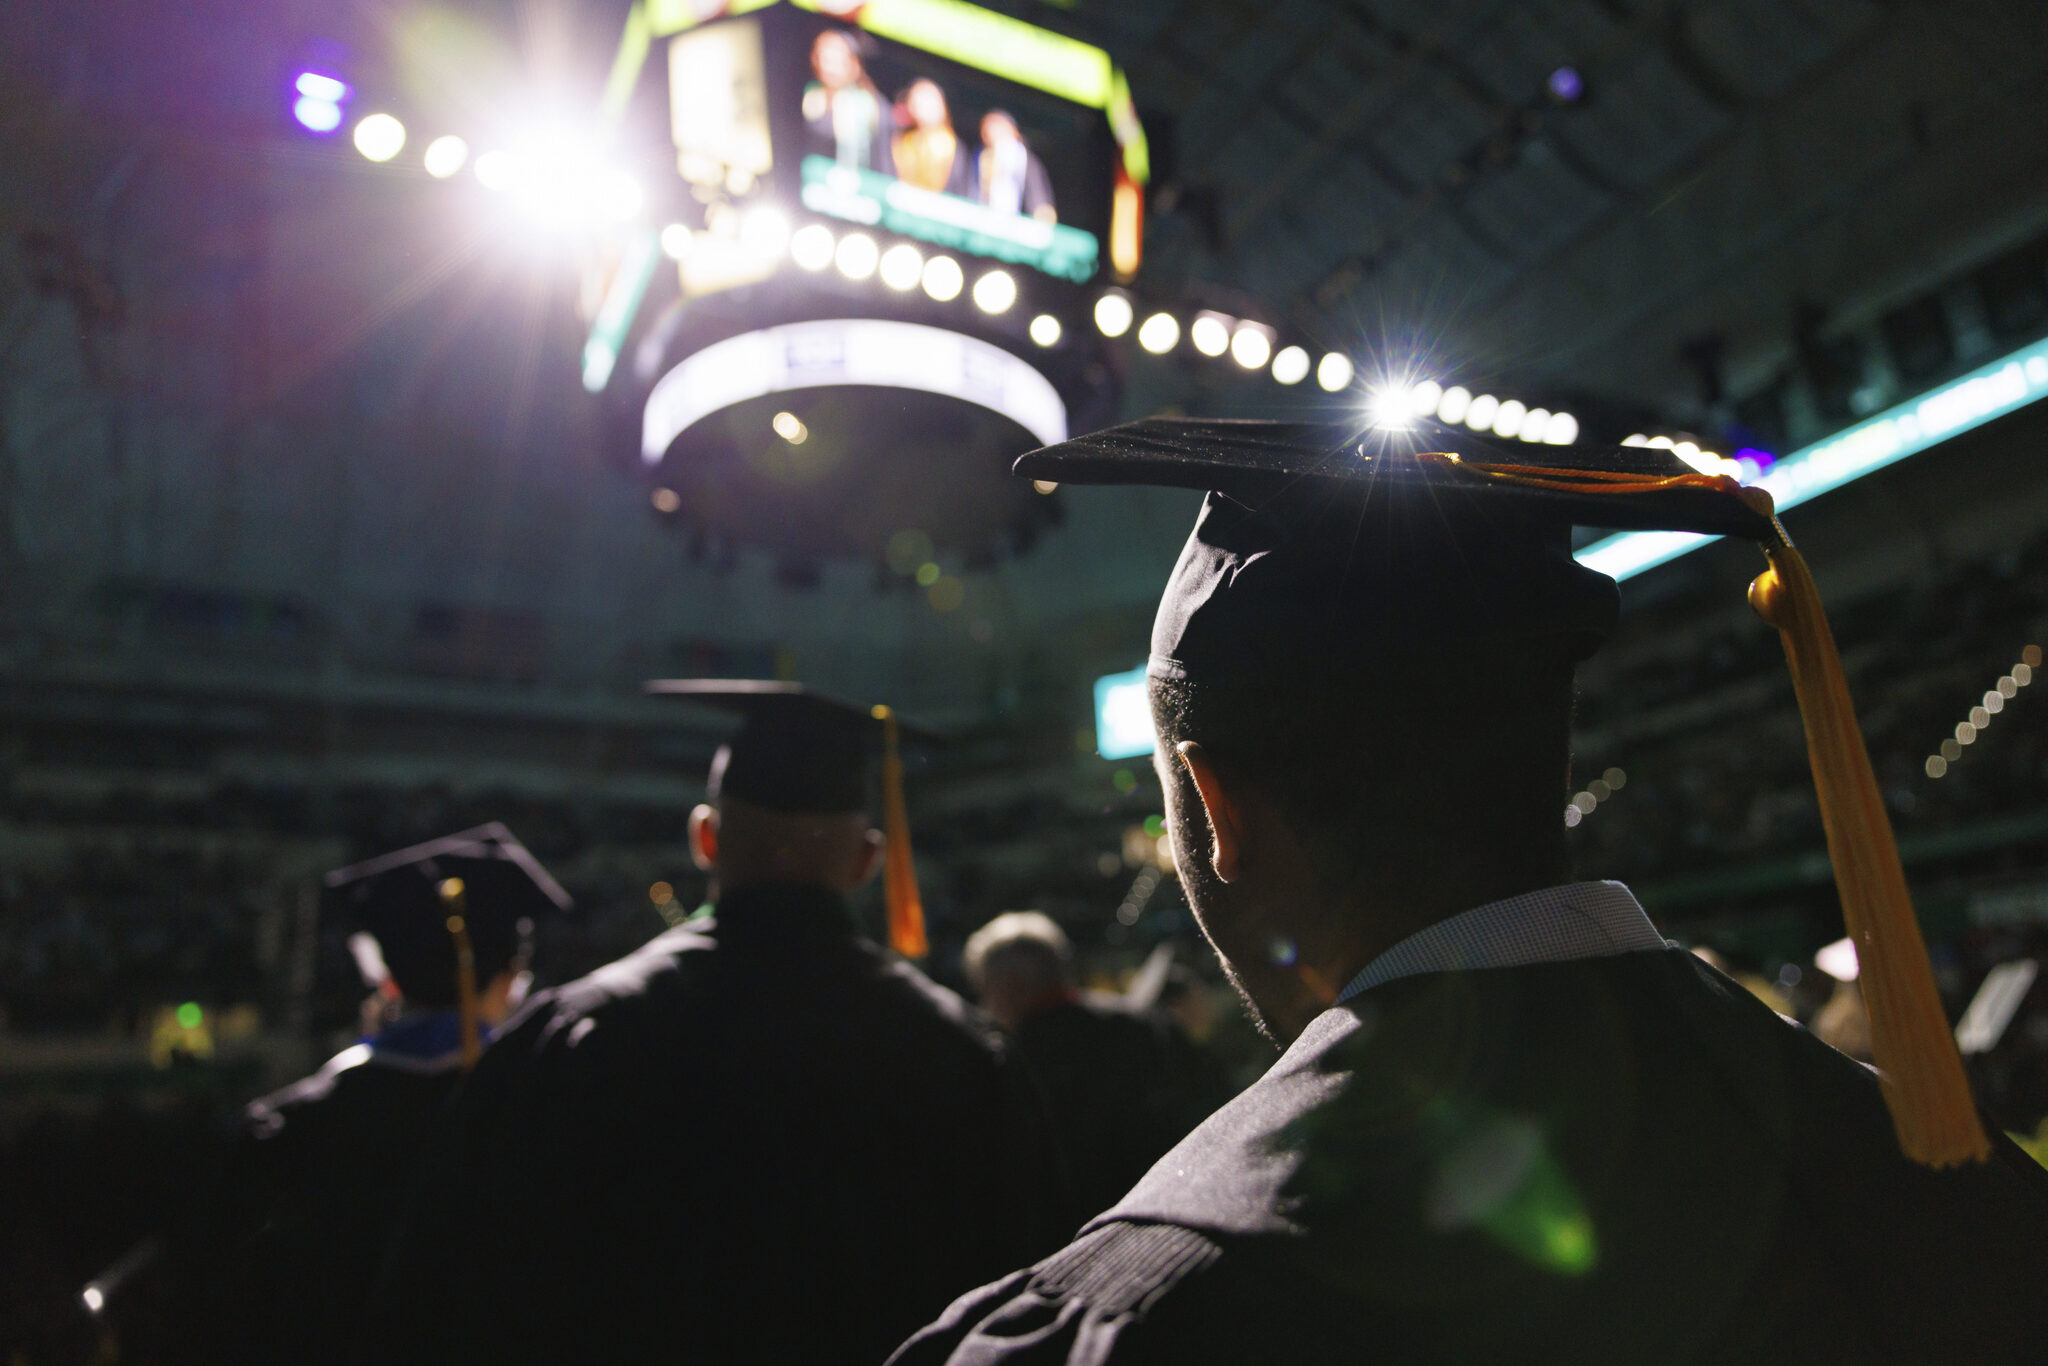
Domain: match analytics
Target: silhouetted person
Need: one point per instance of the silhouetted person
(760, 1138)
(1511, 1123)
(327, 1166)
(1122, 1087)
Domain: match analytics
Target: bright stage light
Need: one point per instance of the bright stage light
(1250, 348)
(1391, 407)
(321, 116)
(1534, 422)
(1456, 402)
(1290, 366)
(1423, 398)
(902, 266)
(615, 195)
(497, 170)
(380, 137)
(1335, 371)
(675, 241)
(1210, 335)
(445, 156)
(995, 291)
(811, 246)
(1045, 329)
(943, 278)
(1561, 430)
(1480, 415)
(1113, 315)
(849, 351)
(791, 428)
(856, 256)
(1508, 419)
(765, 230)
(1159, 334)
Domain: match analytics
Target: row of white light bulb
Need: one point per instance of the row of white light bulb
(1706, 462)
(902, 267)
(1980, 715)
(1504, 417)
(381, 137)
(563, 185)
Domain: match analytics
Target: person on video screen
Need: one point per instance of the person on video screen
(842, 108)
(1007, 175)
(928, 151)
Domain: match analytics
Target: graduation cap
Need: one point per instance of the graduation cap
(803, 751)
(449, 912)
(1325, 543)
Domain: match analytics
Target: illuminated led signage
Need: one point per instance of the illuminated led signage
(1123, 716)
(849, 351)
(1991, 392)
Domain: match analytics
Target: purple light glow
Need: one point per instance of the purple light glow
(1566, 85)
(316, 85)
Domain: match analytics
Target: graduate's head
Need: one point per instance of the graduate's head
(1361, 677)
(1019, 963)
(401, 905)
(790, 792)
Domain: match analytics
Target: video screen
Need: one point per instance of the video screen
(913, 144)
(873, 131)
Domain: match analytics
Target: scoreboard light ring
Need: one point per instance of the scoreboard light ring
(831, 352)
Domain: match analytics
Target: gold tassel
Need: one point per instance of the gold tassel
(899, 873)
(1910, 1039)
(452, 897)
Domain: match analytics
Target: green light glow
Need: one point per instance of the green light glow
(633, 45)
(190, 1016)
(621, 303)
(1545, 1222)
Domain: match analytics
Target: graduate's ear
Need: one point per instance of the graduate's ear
(704, 837)
(1226, 819)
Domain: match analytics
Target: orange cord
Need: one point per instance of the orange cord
(1911, 1042)
(899, 872)
(455, 899)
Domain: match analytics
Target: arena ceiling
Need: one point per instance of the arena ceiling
(1403, 169)
(186, 449)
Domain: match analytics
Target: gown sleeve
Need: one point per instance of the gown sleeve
(1105, 1298)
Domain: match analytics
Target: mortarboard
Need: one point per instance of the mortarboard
(802, 751)
(1328, 543)
(449, 911)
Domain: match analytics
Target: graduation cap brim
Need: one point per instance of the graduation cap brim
(1251, 460)
(754, 696)
(490, 843)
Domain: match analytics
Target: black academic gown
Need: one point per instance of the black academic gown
(757, 1139)
(314, 1187)
(1121, 1088)
(1627, 1159)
